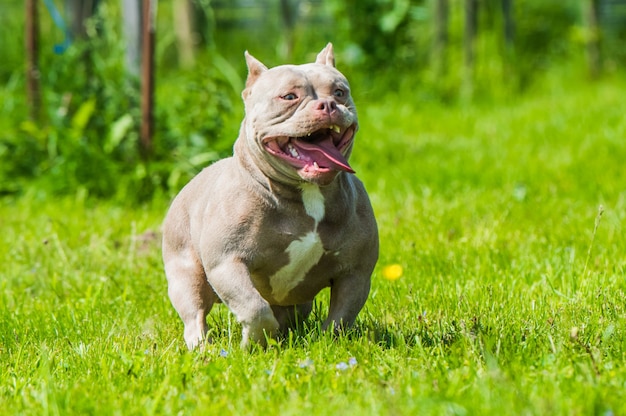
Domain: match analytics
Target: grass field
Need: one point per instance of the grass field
(507, 222)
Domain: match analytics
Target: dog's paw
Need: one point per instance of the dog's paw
(259, 330)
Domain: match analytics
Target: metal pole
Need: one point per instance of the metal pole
(32, 56)
(147, 76)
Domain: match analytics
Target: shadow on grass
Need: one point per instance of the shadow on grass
(423, 333)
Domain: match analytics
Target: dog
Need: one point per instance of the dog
(264, 231)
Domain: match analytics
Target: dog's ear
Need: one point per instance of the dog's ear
(326, 56)
(255, 69)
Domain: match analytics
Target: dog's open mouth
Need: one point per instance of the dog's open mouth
(321, 150)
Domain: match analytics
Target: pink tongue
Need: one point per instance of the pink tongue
(324, 152)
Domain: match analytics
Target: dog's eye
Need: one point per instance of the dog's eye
(339, 92)
(289, 97)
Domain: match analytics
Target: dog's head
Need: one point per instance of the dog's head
(300, 119)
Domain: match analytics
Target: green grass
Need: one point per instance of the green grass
(512, 299)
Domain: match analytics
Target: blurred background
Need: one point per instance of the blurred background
(128, 99)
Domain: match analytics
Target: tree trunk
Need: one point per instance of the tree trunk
(183, 25)
(440, 38)
(510, 75)
(509, 24)
(594, 61)
(132, 23)
(289, 13)
(79, 11)
(471, 25)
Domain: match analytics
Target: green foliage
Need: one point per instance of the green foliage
(88, 137)
(543, 37)
(11, 38)
(511, 299)
(383, 31)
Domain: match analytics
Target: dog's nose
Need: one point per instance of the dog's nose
(326, 106)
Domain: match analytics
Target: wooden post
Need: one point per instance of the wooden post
(32, 57)
(147, 76)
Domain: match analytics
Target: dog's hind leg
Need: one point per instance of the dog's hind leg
(190, 294)
(347, 297)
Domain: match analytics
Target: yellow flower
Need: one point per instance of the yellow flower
(392, 272)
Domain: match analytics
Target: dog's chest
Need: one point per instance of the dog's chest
(304, 252)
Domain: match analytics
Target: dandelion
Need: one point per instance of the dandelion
(392, 272)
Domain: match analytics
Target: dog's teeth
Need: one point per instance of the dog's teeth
(335, 128)
(315, 165)
(293, 151)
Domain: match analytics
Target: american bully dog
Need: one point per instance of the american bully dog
(265, 230)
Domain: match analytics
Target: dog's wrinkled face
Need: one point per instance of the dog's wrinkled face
(301, 118)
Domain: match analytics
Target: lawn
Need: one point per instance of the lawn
(507, 222)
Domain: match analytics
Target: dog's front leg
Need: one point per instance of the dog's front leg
(290, 317)
(231, 281)
(347, 297)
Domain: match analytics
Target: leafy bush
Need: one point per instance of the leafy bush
(88, 135)
(394, 38)
(87, 138)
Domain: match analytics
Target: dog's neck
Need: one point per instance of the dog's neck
(271, 183)
(274, 184)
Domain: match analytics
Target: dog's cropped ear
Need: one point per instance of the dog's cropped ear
(326, 56)
(255, 69)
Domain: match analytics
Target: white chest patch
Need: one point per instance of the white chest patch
(313, 201)
(305, 252)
